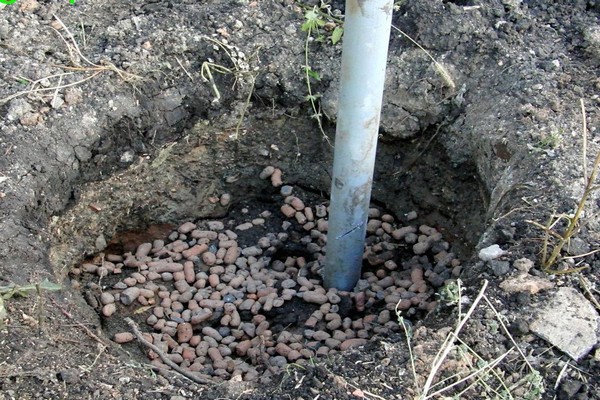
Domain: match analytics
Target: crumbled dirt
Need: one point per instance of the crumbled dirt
(118, 140)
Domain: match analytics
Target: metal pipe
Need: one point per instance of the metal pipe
(364, 55)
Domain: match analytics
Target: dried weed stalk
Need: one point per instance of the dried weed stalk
(75, 56)
(554, 242)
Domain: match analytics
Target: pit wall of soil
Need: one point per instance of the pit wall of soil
(487, 128)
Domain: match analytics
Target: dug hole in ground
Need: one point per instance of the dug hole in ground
(164, 200)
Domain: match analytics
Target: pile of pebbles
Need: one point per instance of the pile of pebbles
(209, 299)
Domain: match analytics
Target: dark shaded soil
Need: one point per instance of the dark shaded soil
(132, 138)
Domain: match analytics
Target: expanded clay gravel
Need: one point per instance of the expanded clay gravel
(210, 301)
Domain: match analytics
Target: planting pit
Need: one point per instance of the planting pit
(241, 297)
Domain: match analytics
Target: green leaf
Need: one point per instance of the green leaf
(336, 35)
(312, 21)
(13, 290)
(313, 74)
(51, 286)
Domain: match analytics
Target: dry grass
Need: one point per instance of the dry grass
(474, 373)
(80, 64)
(554, 241)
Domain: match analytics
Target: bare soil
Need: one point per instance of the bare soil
(118, 139)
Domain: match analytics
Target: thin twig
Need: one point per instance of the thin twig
(52, 102)
(446, 77)
(472, 375)
(507, 332)
(450, 340)
(163, 356)
(73, 41)
(80, 325)
(184, 70)
(584, 150)
(561, 374)
(585, 285)
(246, 104)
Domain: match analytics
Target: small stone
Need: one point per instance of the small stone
(296, 203)
(568, 321)
(109, 309)
(244, 227)
(400, 233)
(213, 280)
(499, 267)
(186, 227)
(523, 264)
(288, 284)
(321, 335)
(311, 322)
(294, 355)
(310, 216)
(107, 298)
(411, 238)
(349, 343)
(416, 275)
(412, 215)
(525, 283)
(322, 351)
(194, 251)
(333, 297)
(315, 297)
(189, 354)
(490, 253)
(288, 210)
(242, 347)
(321, 211)
(215, 225)
(374, 213)
(184, 332)
(300, 217)
(421, 247)
(332, 343)
(266, 172)
(276, 178)
(252, 251)
(129, 295)
(209, 258)
(404, 304)
(123, 337)
(143, 250)
(286, 190)
(334, 324)
(231, 255)
(283, 349)
(225, 199)
(212, 332)
(373, 225)
(200, 315)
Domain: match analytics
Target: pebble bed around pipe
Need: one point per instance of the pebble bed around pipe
(209, 301)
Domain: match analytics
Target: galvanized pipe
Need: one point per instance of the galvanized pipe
(364, 55)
